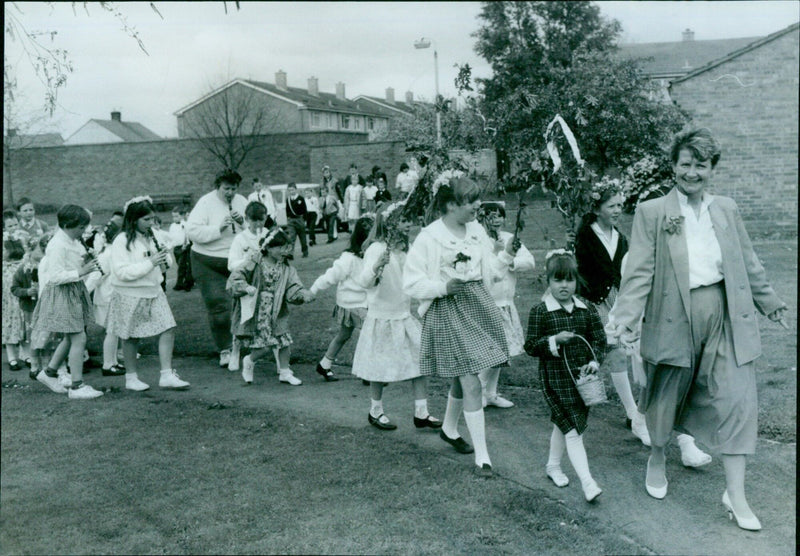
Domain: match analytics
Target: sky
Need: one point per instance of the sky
(193, 47)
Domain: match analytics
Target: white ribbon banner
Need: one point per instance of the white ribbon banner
(551, 146)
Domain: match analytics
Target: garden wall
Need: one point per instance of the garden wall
(388, 155)
(103, 177)
(750, 103)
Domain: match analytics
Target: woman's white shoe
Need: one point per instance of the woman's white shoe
(747, 523)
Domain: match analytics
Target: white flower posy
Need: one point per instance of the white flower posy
(444, 179)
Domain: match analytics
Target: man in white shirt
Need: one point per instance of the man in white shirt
(263, 195)
(406, 180)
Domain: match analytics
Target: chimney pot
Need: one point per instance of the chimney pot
(280, 80)
(390, 95)
(409, 97)
(340, 91)
(313, 86)
(116, 116)
(688, 35)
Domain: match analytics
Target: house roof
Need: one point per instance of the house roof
(129, 132)
(752, 46)
(301, 98)
(36, 140)
(387, 108)
(681, 57)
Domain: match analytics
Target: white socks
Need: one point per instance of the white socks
(376, 408)
(623, 387)
(451, 416)
(477, 430)
(325, 363)
(577, 456)
(421, 408)
(557, 445)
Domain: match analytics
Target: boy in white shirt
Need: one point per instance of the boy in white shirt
(182, 246)
(264, 196)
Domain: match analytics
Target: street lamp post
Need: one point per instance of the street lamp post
(421, 44)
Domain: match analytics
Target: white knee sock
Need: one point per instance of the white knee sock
(577, 456)
(451, 416)
(477, 430)
(557, 445)
(623, 387)
(376, 408)
(421, 408)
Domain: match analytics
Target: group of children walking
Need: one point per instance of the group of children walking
(461, 271)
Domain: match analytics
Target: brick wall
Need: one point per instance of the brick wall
(104, 176)
(750, 103)
(386, 154)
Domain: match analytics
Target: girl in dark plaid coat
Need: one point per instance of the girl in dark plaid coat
(553, 327)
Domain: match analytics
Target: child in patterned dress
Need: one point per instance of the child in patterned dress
(138, 306)
(553, 327)
(351, 298)
(13, 318)
(64, 306)
(388, 346)
(25, 287)
(265, 284)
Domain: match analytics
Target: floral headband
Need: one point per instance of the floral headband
(604, 185)
(558, 253)
(444, 179)
(137, 200)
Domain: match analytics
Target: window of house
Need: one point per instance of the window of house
(357, 121)
(316, 119)
(331, 121)
(345, 121)
(370, 123)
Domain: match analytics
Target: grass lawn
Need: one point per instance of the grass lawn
(175, 473)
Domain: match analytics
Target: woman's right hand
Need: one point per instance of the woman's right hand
(89, 267)
(227, 222)
(455, 286)
(158, 258)
(564, 337)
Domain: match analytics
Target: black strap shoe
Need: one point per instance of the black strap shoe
(461, 446)
(387, 426)
(327, 374)
(429, 422)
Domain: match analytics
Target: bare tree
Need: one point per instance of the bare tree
(230, 122)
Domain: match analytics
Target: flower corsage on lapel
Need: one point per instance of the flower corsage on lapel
(672, 225)
(460, 262)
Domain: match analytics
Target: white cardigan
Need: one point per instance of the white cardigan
(349, 294)
(431, 261)
(132, 273)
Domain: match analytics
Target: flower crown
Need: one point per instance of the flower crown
(604, 185)
(444, 179)
(137, 200)
(558, 252)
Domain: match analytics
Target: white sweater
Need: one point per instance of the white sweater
(503, 288)
(132, 273)
(349, 294)
(385, 300)
(204, 221)
(244, 244)
(431, 261)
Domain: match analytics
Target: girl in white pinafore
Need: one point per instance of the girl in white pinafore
(388, 347)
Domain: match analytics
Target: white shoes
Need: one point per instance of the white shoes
(639, 428)
(557, 476)
(170, 379)
(498, 401)
(64, 379)
(132, 382)
(248, 365)
(591, 491)
(51, 382)
(224, 357)
(691, 455)
(84, 392)
(233, 364)
(288, 377)
(656, 492)
(749, 523)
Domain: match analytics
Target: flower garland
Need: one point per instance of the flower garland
(139, 199)
(604, 185)
(444, 179)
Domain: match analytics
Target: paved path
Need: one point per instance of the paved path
(690, 520)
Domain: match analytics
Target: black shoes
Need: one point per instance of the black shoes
(114, 370)
(484, 471)
(461, 446)
(327, 374)
(628, 423)
(384, 426)
(429, 422)
(15, 365)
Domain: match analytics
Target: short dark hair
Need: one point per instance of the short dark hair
(181, 209)
(73, 216)
(562, 266)
(118, 213)
(700, 142)
(8, 214)
(403, 167)
(291, 184)
(14, 249)
(22, 202)
(360, 233)
(227, 176)
(493, 206)
(459, 191)
(255, 210)
(353, 165)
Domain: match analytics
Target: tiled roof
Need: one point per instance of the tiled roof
(753, 45)
(129, 132)
(387, 108)
(38, 140)
(325, 101)
(682, 57)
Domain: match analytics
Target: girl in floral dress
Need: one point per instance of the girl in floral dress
(13, 321)
(265, 284)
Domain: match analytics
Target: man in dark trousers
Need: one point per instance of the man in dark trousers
(295, 216)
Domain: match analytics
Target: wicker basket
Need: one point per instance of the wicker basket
(590, 386)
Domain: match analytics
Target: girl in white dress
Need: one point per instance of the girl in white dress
(388, 347)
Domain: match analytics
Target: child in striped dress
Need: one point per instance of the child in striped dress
(351, 298)
(553, 327)
(64, 306)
